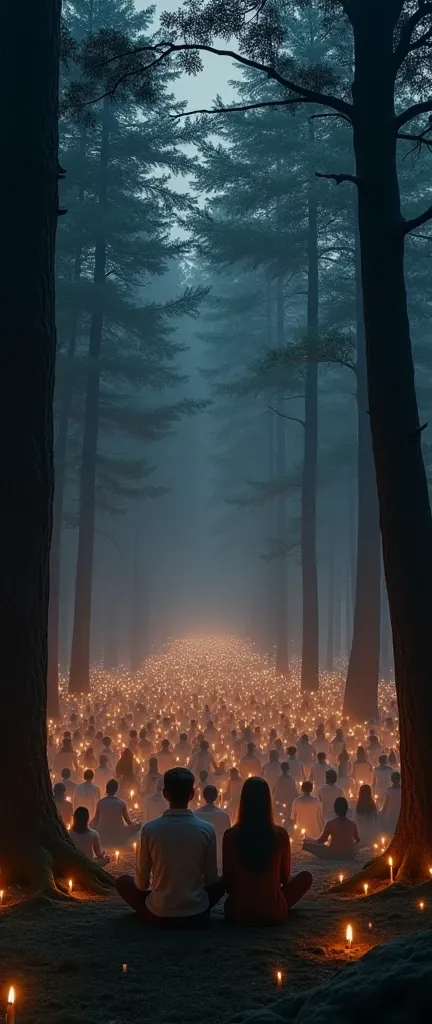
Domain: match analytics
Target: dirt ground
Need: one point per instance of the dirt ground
(66, 959)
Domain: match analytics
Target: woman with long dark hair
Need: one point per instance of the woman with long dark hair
(125, 774)
(257, 862)
(366, 815)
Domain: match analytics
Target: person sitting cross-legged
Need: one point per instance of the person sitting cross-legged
(87, 839)
(257, 863)
(178, 850)
(342, 833)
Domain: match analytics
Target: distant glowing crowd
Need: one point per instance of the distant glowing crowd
(207, 769)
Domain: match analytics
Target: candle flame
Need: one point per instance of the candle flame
(341, 878)
(349, 934)
(11, 995)
(70, 884)
(279, 976)
(390, 860)
(366, 887)
(421, 905)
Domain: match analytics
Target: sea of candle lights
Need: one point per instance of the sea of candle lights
(215, 678)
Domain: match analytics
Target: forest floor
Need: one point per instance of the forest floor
(66, 959)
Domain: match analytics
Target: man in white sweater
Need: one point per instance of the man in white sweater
(217, 817)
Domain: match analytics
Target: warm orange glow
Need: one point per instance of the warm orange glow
(421, 905)
(349, 935)
(366, 887)
(1, 895)
(70, 885)
(11, 995)
(341, 878)
(390, 860)
(370, 925)
(117, 856)
(279, 978)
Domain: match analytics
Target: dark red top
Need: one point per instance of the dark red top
(252, 898)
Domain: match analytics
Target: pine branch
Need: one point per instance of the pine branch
(233, 110)
(416, 222)
(339, 178)
(294, 419)
(304, 94)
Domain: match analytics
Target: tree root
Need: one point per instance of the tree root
(43, 870)
(408, 871)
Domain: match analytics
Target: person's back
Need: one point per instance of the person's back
(307, 812)
(272, 769)
(342, 833)
(250, 764)
(178, 851)
(329, 793)
(295, 765)
(156, 804)
(217, 817)
(285, 790)
(381, 779)
(321, 744)
(362, 769)
(87, 794)
(392, 803)
(366, 815)
(63, 806)
(68, 783)
(319, 771)
(257, 863)
(102, 774)
(165, 758)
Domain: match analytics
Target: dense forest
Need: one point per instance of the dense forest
(237, 438)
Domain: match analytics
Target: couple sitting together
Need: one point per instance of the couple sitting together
(178, 852)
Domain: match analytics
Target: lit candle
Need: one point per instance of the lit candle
(370, 926)
(341, 878)
(390, 860)
(70, 885)
(134, 846)
(349, 936)
(421, 905)
(10, 1009)
(124, 968)
(1, 896)
(279, 979)
(366, 887)
(117, 856)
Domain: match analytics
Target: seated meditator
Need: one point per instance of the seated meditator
(307, 812)
(87, 839)
(87, 794)
(284, 792)
(366, 815)
(392, 804)
(217, 816)
(63, 806)
(329, 793)
(112, 819)
(342, 833)
(257, 863)
(179, 853)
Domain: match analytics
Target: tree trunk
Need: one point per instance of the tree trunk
(310, 635)
(56, 540)
(79, 678)
(34, 845)
(386, 651)
(361, 691)
(330, 612)
(405, 514)
(138, 623)
(281, 610)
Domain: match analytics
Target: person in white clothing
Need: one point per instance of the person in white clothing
(217, 817)
(321, 744)
(68, 783)
(272, 769)
(202, 760)
(102, 774)
(165, 757)
(250, 764)
(156, 804)
(87, 794)
(295, 766)
(329, 793)
(284, 791)
(392, 804)
(381, 780)
(319, 771)
(307, 812)
(63, 806)
(112, 819)
(179, 852)
(182, 750)
(87, 839)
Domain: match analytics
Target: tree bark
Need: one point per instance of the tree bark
(310, 630)
(79, 677)
(330, 612)
(361, 691)
(281, 588)
(405, 514)
(34, 846)
(60, 451)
